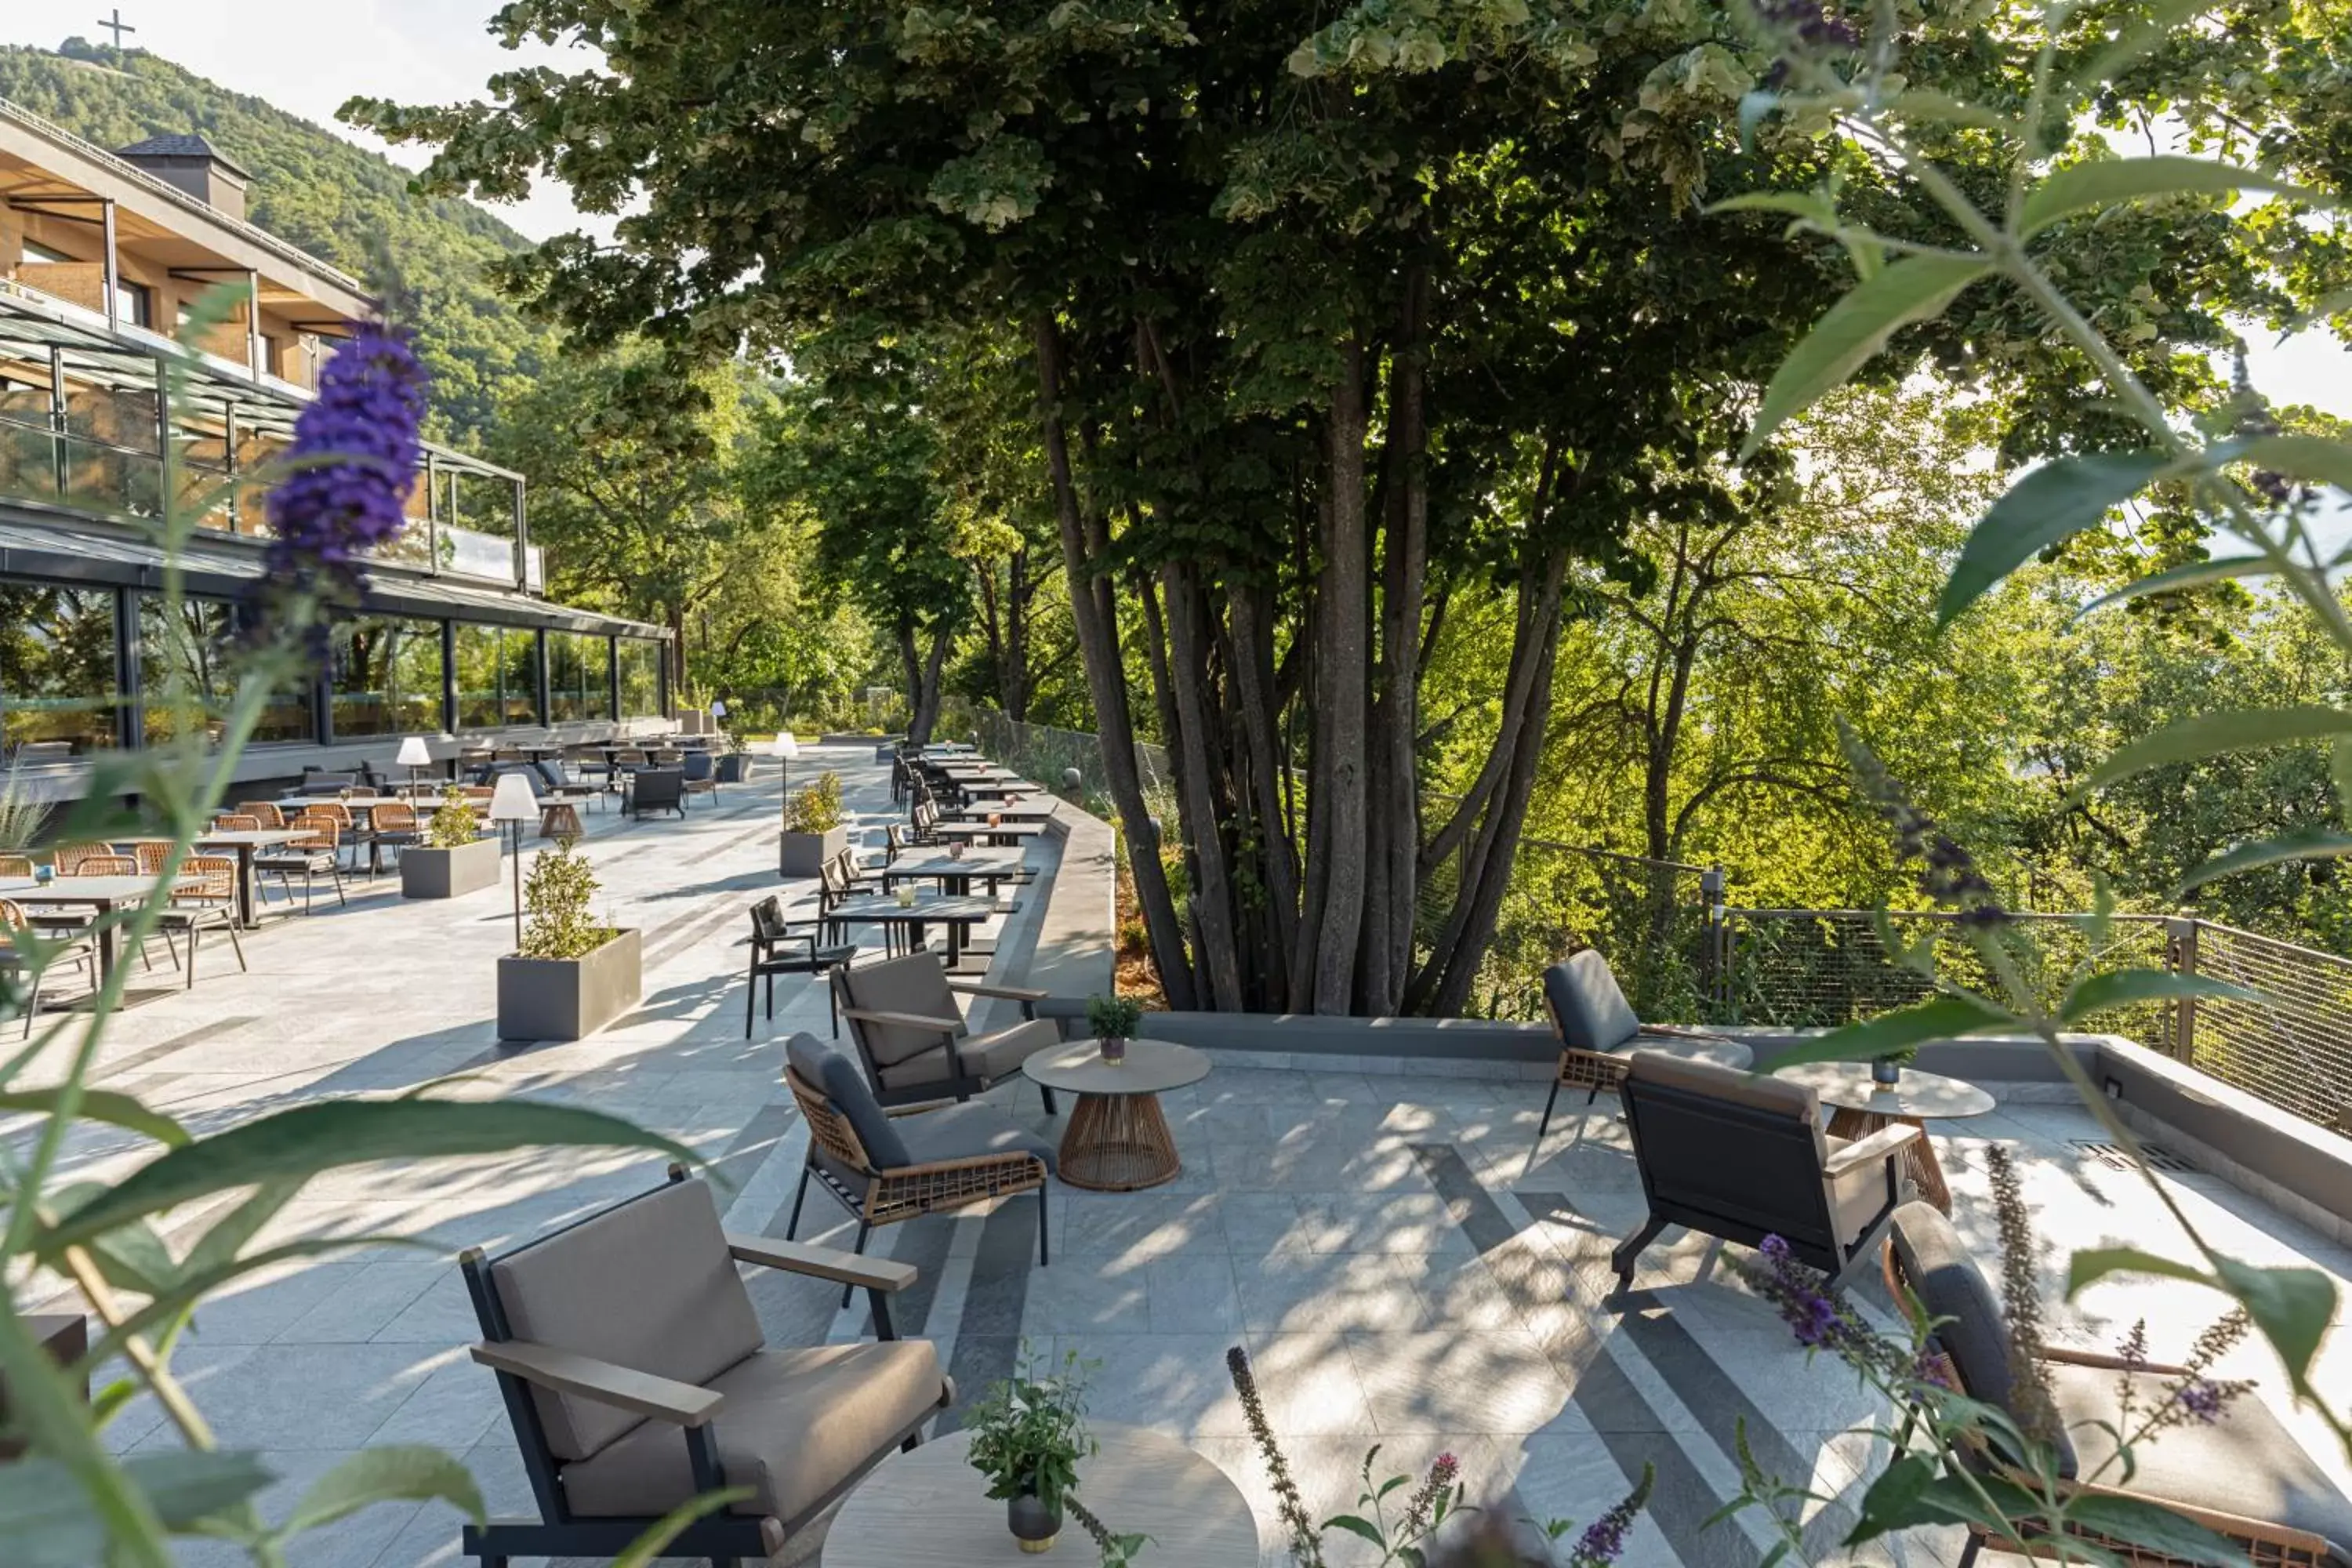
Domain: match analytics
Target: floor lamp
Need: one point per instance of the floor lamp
(413, 754)
(783, 748)
(513, 804)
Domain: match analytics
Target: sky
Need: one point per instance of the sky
(308, 55)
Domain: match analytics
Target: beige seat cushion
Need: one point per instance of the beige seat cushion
(1856, 1195)
(2245, 1463)
(648, 1285)
(916, 984)
(1001, 1054)
(796, 1424)
(924, 1067)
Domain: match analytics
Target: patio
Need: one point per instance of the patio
(1403, 1266)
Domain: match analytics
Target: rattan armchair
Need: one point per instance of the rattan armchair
(1599, 1030)
(19, 936)
(884, 1166)
(310, 857)
(2242, 1475)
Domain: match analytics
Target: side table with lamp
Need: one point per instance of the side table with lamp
(513, 804)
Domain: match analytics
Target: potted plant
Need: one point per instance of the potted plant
(1887, 1070)
(815, 829)
(1115, 1021)
(455, 859)
(1028, 1435)
(572, 974)
(735, 761)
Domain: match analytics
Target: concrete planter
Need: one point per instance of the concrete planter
(570, 998)
(429, 873)
(734, 767)
(804, 854)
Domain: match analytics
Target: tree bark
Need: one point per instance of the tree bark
(1341, 675)
(1094, 612)
(1212, 901)
(1268, 766)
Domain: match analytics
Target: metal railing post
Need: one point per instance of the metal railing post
(2180, 957)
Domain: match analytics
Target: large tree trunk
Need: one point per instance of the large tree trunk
(1212, 901)
(1342, 646)
(1393, 846)
(1269, 767)
(1094, 610)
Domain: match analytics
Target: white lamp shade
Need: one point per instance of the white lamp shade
(513, 801)
(414, 753)
(785, 746)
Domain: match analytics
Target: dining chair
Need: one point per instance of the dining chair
(311, 857)
(265, 813)
(19, 935)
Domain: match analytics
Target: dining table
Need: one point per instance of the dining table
(955, 873)
(102, 896)
(1006, 811)
(989, 832)
(959, 915)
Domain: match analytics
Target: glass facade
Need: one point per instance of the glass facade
(641, 665)
(498, 676)
(578, 677)
(58, 692)
(187, 674)
(383, 677)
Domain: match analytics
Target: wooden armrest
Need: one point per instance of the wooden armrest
(1675, 1031)
(984, 988)
(2068, 1356)
(904, 1020)
(1870, 1149)
(565, 1372)
(820, 1262)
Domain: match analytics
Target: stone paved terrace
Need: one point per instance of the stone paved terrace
(1404, 1266)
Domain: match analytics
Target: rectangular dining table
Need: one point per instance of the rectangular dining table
(957, 914)
(102, 896)
(955, 873)
(993, 832)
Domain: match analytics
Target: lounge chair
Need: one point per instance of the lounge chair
(2241, 1475)
(1598, 1031)
(1735, 1155)
(657, 789)
(635, 1377)
(911, 1035)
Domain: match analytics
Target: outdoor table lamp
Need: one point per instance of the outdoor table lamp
(514, 804)
(413, 754)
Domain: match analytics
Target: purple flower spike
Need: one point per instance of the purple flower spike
(2203, 1399)
(355, 461)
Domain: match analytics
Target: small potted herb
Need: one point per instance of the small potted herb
(455, 859)
(572, 974)
(1028, 1435)
(1887, 1070)
(815, 829)
(1115, 1021)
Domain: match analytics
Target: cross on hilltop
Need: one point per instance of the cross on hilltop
(117, 25)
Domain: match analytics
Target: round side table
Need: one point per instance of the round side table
(930, 1508)
(1860, 1106)
(1117, 1139)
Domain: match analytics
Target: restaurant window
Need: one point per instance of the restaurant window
(498, 676)
(578, 677)
(640, 678)
(59, 695)
(383, 677)
(188, 674)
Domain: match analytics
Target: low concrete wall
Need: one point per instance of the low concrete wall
(1077, 931)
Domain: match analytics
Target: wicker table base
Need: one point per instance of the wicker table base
(1117, 1144)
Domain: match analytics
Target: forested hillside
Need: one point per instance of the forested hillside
(313, 188)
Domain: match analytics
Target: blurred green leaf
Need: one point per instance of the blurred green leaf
(114, 1109)
(2315, 843)
(1916, 288)
(2122, 987)
(2215, 734)
(2313, 458)
(2292, 1307)
(307, 1140)
(2055, 501)
(220, 1244)
(46, 1519)
(2147, 1524)
(1938, 1018)
(2175, 579)
(1893, 1498)
(2110, 181)
(654, 1542)
(402, 1472)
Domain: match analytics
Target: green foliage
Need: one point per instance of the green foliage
(350, 206)
(817, 808)
(457, 823)
(557, 895)
(1028, 1431)
(1114, 1017)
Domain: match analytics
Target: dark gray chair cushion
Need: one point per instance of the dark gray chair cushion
(963, 1132)
(1943, 1275)
(1591, 1011)
(698, 767)
(548, 775)
(841, 1081)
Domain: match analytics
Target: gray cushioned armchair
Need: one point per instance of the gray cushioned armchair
(1598, 1031)
(1739, 1156)
(2242, 1474)
(910, 1032)
(636, 1376)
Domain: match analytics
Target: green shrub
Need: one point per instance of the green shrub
(817, 809)
(457, 824)
(557, 893)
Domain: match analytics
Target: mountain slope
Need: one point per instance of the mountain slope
(316, 190)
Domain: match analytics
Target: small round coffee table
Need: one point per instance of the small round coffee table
(931, 1509)
(1859, 1106)
(1117, 1140)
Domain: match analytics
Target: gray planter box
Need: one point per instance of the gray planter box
(734, 767)
(570, 998)
(427, 873)
(804, 854)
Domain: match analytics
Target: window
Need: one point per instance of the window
(138, 306)
(498, 676)
(578, 677)
(383, 677)
(58, 696)
(187, 672)
(35, 251)
(641, 681)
